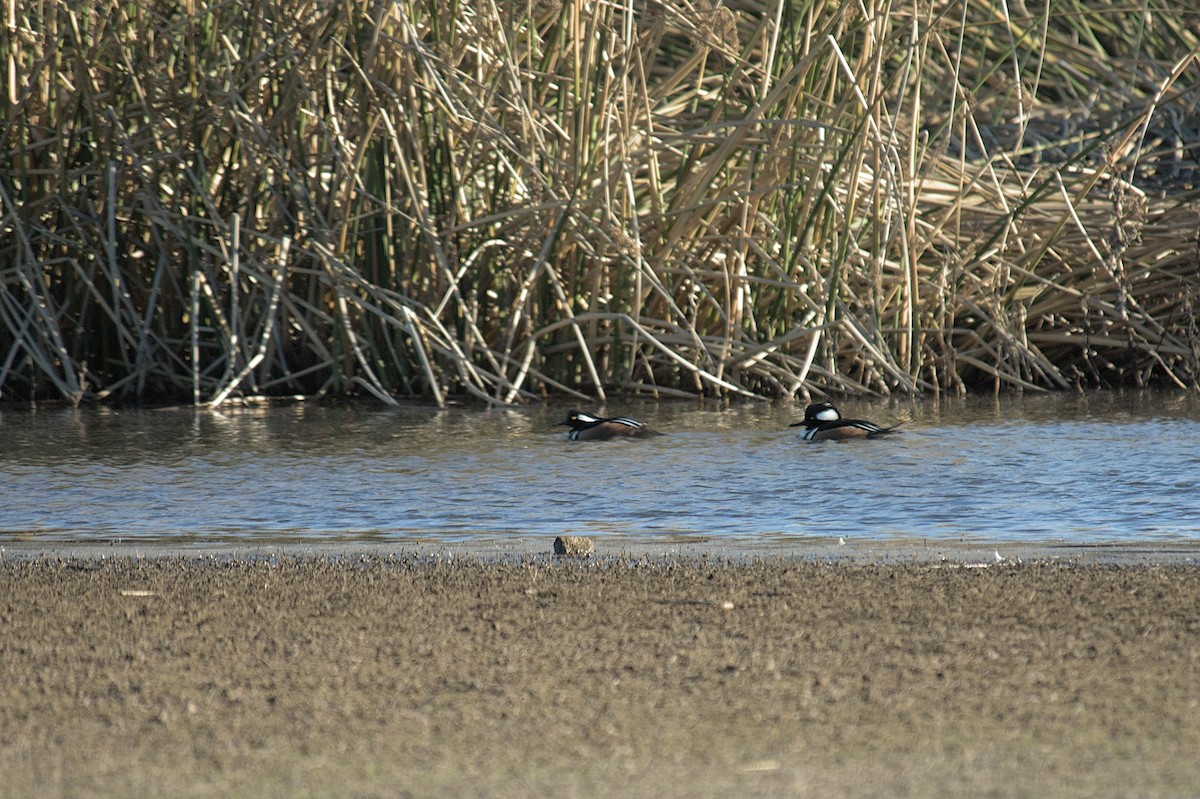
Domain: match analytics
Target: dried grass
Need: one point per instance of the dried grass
(505, 200)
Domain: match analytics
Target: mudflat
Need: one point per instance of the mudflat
(687, 677)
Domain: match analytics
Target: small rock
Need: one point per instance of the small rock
(574, 546)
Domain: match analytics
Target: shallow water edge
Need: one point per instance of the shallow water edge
(972, 554)
(1019, 474)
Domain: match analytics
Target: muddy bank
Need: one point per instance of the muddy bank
(390, 677)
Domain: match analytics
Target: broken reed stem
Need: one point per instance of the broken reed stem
(504, 202)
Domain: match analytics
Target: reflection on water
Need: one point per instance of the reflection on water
(1093, 468)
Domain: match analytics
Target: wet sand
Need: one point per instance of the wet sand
(668, 677)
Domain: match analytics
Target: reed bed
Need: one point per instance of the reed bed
(505, 200)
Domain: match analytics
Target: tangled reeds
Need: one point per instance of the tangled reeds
(508, 199)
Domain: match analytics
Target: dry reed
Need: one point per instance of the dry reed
(509, 199)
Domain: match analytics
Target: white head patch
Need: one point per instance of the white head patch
(828, 415)
(586, 418)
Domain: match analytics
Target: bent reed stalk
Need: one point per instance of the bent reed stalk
(512, 199)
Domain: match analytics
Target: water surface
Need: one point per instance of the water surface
(1098, 468)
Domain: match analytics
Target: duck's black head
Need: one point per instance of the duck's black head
(577, 419)
(819, 413)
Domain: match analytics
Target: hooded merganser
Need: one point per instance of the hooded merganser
(822, 422)
(585, 427)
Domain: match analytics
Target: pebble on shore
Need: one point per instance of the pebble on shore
(574, 546)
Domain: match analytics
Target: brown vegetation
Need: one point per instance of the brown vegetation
(505, 200)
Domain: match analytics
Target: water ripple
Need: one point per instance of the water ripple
(1092, 475)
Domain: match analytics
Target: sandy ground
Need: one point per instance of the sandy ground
(677, 677)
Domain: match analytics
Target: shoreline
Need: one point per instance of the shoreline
(300, 674)
(515, 548)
